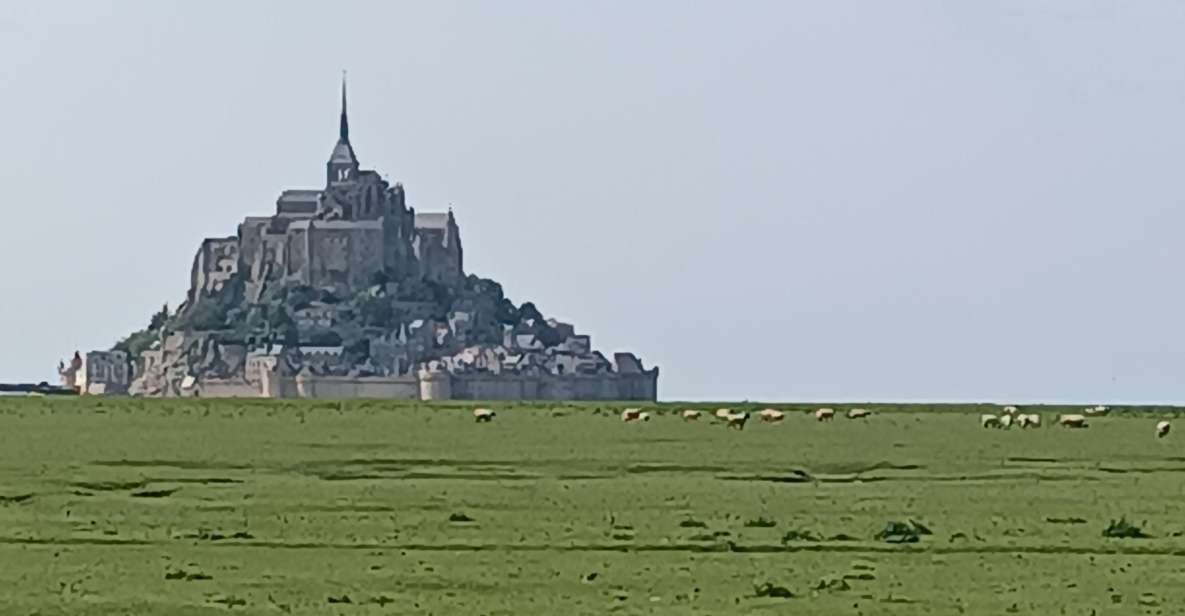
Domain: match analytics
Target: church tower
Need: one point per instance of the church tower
(343, 165)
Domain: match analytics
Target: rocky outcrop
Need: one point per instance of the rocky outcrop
(349, 282)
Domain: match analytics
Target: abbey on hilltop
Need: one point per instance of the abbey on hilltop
(347, 291)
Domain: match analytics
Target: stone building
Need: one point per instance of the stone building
(348, 291)
(354, 231)
(98, 373)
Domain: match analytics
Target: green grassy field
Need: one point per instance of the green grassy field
(271, 507)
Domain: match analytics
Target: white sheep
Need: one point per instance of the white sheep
(631, 414)
(1031, 420)
(989, 421)
(825, 414)
(1006, 421)
(1011, 410)
(1162, 429)
(1096, 410)
(771, 415)
(723, 413)
(691, 415)
(858, 413)
(643, 416)
(1072, 421)
(483, 415)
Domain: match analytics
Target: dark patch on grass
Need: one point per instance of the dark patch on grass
(110, 486)
(380, 600)
(800, 535)
(470, 476)
(844, 479)
(1065, 520)
(842, 537)
(796, 476)
(199, 480)
(856, 469)
(921, 529)
(460, 517)
(771, 590)
(1140, 470)
(833, 584)
(623, 537)
(692, 523)
(155, 493)
(760, 522)
(180, 464)
(205, 535)
(1034, 459)
(230, 602)
(181, 574)
(674, 468)
(902, 532)
(13, 500)
(1122, 529)
(341, 599)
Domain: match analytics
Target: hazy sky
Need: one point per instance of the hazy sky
(772, 201)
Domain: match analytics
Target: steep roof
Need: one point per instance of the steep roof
(343, 152)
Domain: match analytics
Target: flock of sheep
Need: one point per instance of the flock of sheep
(732, 419)
(1011, 416)
(739, 419)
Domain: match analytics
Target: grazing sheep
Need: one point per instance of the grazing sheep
(825, 414)
(858, 413)
(738, 420)
(483, 415)
(1029, 421)
(691, 415)
(723, 414)
(1006, 421)
(989, 421)
(1162, 429)
(1072, 421)
(643, 416)
(631, 414)
(1011, 410)
(1096, 410)
(772, 415)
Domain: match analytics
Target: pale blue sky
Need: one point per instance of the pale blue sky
(784, 200)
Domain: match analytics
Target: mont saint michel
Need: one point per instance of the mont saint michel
(347, 291)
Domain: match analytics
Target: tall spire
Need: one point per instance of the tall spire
(343, 165)
(345, 122)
